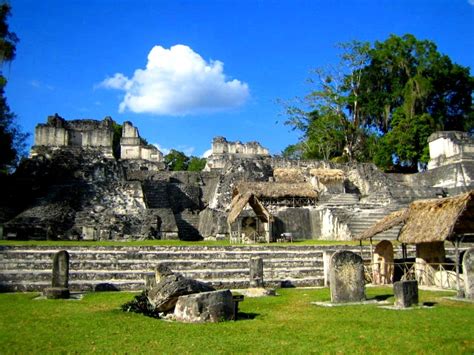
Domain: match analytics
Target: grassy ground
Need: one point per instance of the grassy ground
(284, 324)
(167, 243)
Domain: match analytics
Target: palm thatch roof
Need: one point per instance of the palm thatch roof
(439, 220)
(276, 189)
(393, 219)
(426, 221)
(240, 201)
(328, 175)
(288, 175)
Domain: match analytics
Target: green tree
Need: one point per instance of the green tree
(410, 90)
(176, 160)
(12, 140)
(196, 164)
(331, 116)
(382, 102)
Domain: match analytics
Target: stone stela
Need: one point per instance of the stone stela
(346, 277)
(406, 293)
(256, 272)
(468, 270)
(60, 277)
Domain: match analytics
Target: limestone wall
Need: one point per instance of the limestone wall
(450, 147)
(59, 133)
(224, 151)
(50, 136)
(131, 146)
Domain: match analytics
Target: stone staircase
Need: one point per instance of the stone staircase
(367, 218)
(156, 194)
(124, 268)
(188, 225)
(343, 199)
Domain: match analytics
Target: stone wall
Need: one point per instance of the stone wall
(132, 147)
(224, 151)
(449, 147)
(59, 133)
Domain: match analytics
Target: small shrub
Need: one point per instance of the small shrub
(140, 304)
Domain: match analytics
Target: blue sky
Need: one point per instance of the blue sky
(186, 71)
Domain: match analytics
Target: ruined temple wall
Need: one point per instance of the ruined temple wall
(58, 132)
(132, 147)
(448, 147)
(221, 146)
(93, 138)
(455, 176)
(51, 136)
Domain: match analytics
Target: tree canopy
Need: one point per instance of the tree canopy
(381, 102)
(178, 161)
(11, 138)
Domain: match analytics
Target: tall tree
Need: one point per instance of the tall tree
(176, 160)
(11, 138)
(383, 102)
(196, 164)
(410, 90)
(331, 115)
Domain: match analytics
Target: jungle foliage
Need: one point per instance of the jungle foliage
(178, 161)
(380, 103)
(12, 139)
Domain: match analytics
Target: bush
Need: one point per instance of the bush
(140, 304)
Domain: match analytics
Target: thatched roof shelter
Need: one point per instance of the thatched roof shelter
(426, 221)
(439, 219)
(291, 175)
(240, 201)
(328, 175)
(276, 189)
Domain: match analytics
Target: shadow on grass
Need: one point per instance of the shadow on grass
(380, 298)
(429, 304)
(246, 316)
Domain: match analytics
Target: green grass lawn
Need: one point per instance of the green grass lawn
(284, 324)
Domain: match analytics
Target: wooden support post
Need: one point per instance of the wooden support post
(371, 251)
(458, 286)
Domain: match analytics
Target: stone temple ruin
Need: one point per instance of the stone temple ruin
(86, 181)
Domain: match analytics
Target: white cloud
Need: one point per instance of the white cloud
(207, 153)
(471, 2)
(118, 81)
(178, 81)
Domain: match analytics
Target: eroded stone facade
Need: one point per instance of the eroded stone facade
(448, 147)
(58, 133)
(73, 188)
(224, 151)
(132, 146)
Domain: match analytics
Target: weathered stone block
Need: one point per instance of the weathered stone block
(61, 270)
(468, 270)
(346, 277)
(216, 306)
(170, 287)
(256, 272)
(406, 293)
(150, 281)
(56, 292)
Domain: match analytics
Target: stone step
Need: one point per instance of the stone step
(343, 199)
(24, 268)
(138, 285)
(114, 257)
(174, 264)
(205, 274)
